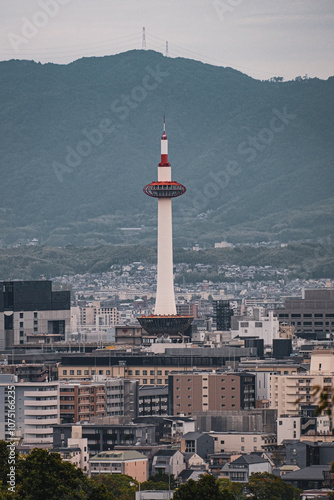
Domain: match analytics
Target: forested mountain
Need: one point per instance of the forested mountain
(79, 142)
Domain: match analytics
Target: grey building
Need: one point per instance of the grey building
(168, 462)
(104, 437)
(29, 309)
(312, 316)
(307, 453)
(197, 442)
(152, 400)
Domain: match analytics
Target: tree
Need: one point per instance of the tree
(45, 475)
(264, 486)
(168, 479)
(326, 403)
(235, 489)
(207, 488)
(123, 487)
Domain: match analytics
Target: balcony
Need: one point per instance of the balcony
(41, 421)
(41, 394)
(32, 413)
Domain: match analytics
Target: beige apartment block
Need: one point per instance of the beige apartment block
(289, 392)
(242, 442)
(322, 361)
(131, 463)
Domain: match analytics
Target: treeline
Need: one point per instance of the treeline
(304, 260)
(44, 475)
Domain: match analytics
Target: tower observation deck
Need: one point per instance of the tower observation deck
(165, 320)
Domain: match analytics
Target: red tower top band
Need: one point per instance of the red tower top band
(164, 189)
(164, 148)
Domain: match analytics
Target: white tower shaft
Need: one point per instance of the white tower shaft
(165, 298)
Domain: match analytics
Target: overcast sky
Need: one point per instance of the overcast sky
(262, 38)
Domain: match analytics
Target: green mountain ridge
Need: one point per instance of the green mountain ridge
(255, 156)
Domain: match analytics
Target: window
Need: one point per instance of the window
(152, 381)
(144, 380)
(107, 372)
(255, 439)
(190, 446)
(21, 324)
(71, 372)
(21, 315)
(159, 372)
(78, 372)
(35, 314)
(144, 372)
(159, 380)
(64, 372)
(21, 334)
(86, 372)
(100, 372)
(137, 372)
(242, 439)
(151, 372)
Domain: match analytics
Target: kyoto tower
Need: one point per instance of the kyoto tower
(165, 320)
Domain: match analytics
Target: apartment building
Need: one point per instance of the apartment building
(81, 400)
(95, 315)
(288, 393)
(132, 463)
(244, 442)
(191, 392)
(36, 410)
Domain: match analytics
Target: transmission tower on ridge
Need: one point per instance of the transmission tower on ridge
(166, 52)
(143, 43)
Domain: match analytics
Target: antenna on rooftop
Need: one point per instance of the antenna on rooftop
(143, 43)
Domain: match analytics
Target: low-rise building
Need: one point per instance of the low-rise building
(201, 443)
(242, 467)
(131, 463)
(103, 437)
(244, 442)
(168, 461)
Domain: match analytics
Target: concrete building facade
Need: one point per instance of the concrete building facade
(29, 309)
(312, 315)
(36, 410)
(210, 391)
(131, 463)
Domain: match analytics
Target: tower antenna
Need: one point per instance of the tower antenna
(166, 52)
(143, 43)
